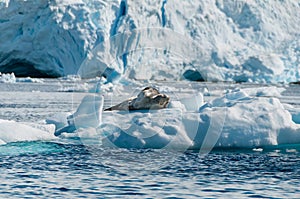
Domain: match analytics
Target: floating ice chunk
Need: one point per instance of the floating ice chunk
(291, 150)
(7, 78)
(190, 102)
(87, 115)
(81, 87)
(268, 91)
(11, 131)
(250, 121)
(11, 78)
(71, 78)
(30, 80)
(258, 149)
(2, 142)
(233, 120)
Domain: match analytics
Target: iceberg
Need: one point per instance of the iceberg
(7, 78)
(246, 118)
(235, 119)
(251, 121)
(242, 41)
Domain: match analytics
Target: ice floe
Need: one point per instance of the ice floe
(238, 118)
(11, 131)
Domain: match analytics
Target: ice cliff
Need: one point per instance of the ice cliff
(231, 40)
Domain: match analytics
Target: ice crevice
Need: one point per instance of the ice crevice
(163, 13)
(121, 16)
(122, 11)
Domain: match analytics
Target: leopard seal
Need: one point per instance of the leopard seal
(148, 98)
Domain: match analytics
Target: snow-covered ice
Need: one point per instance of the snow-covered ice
(7, 78)
(11, 78)
(251, 121)
(11, 131)
(241, 117)
(235, 119)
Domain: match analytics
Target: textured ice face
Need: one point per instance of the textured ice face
(52, 37)
(240, 41)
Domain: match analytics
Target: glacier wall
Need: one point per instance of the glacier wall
(219, 40)
(50, 38)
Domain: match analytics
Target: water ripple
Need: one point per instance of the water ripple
(65, 170)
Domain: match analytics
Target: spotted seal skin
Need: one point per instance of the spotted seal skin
(148, 98)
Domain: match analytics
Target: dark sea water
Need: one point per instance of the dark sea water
(42, 170)
(72, 169)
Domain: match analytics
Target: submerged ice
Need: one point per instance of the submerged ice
(240, 41)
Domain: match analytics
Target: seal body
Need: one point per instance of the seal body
(148, 98)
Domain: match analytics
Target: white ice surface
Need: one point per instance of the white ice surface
(89, 112)
(87, 115)
(254, 41)
(11, 131)
(239, 118)
(236, 119)
(11, 78)
(251, 121)
(7, 78)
